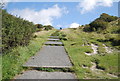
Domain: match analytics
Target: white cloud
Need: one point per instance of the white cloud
(74, 25)
(44, 16)
(88, 5)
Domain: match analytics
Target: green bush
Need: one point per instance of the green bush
(87, 28)
(98, 25)
(15, 31)
(107, 18)
(48, 27)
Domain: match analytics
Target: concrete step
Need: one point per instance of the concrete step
(33, 74)
(53, 36)
(53, 43)
(50, 56)
(53, 39)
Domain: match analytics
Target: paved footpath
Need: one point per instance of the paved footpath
(48, 56)
(33, 74)
(53, 39)
(55, 43)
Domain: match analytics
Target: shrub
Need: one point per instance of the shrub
(87, 28)
(98, 25)
(15, 31)
(48, 27)
(107, 18)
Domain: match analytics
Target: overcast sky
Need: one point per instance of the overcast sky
(63, 14)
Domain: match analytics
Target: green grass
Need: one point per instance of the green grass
(109, 62)
(55, 69)
(12, 62)
(0, 67)
(76, 46)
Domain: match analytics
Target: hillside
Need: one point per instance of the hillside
(94, 52)
(93, 48)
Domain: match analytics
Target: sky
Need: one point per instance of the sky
(62, 14)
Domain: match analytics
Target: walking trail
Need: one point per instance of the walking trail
(51, 55)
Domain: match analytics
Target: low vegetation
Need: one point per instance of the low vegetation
(20, 41)
(13, 61)
(76, 46)
(15, 31)
(79, 42)
(0, 67)
(40, 27)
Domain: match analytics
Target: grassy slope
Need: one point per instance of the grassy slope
(12, 62)
(76, 38)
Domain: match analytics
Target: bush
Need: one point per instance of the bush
(98, 25)
(107, 18)
(15, 31)
(48, 27)
(87, 28)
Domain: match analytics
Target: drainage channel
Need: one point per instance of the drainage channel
(51, 62)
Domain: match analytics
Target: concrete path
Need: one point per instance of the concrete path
(53, 42)
(53, 39)
(50, 56)
(33, 74)
(54, 36)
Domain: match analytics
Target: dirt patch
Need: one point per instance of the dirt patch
(108, 49)
(112, 75)
(95, 50)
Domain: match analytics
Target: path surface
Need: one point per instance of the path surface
(49, 57)
(33, 74)
(52, 42)
(54, 36)
(53, 39)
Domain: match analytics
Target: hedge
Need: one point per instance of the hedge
(15, 31)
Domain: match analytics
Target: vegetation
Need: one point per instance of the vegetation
(40, 27)
(0, 67)
(13, 61)
(19, 43)
(15, 31)
(100, 23)
(77, 45)
(104, 30)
